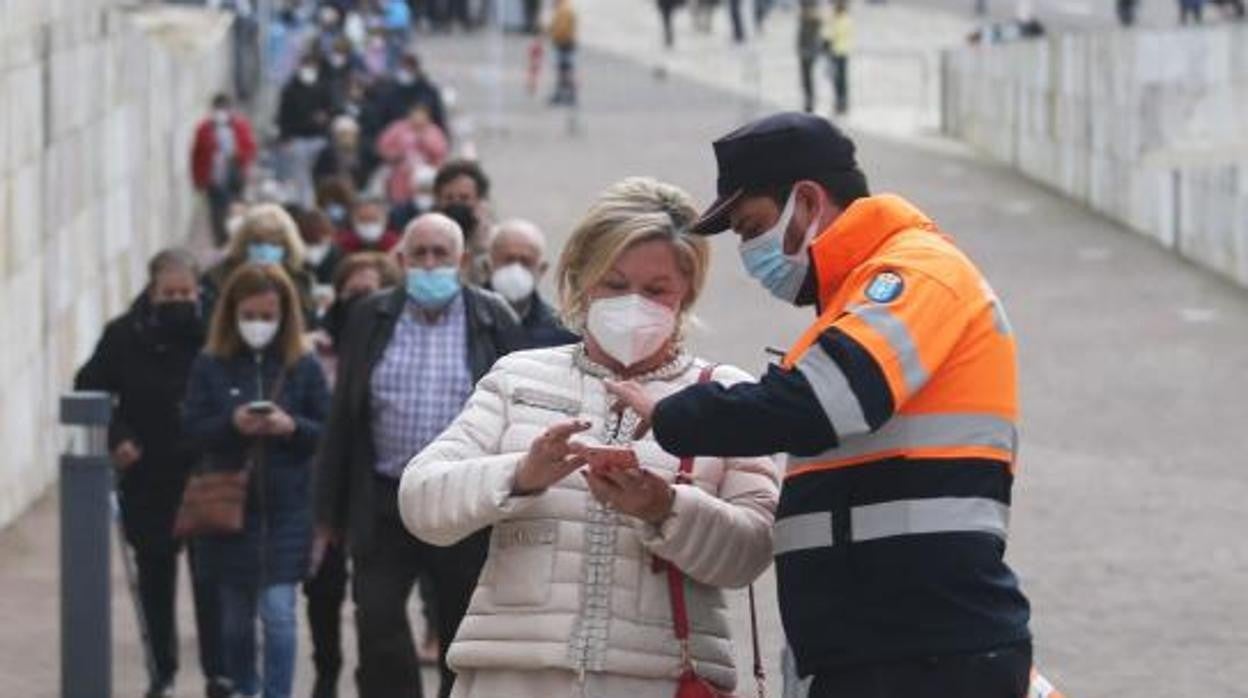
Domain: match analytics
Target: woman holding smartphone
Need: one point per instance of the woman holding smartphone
(584, 504)
(256, 399)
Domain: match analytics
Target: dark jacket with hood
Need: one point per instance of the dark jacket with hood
(145, 364)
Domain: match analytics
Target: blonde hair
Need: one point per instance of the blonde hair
(268, 223)
(246, 282)
(629, 212)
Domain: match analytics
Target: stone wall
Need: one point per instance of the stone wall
(1147, 127)
(98, 99)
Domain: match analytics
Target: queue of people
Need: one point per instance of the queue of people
(571, 490)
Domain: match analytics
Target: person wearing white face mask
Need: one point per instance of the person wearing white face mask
(408, 361)
(369, 231)
(223, 152)
(517, 261)
(321, 251)
(256, 400)
(303, 113)
(898, 408)
(572, 600)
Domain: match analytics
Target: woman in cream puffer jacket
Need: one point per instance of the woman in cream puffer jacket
(570, 601)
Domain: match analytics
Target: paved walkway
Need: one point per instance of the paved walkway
(894, 69)
(1130, 494)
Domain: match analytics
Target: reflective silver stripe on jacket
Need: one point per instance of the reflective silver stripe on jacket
(906, 517)
(831, 388)
(923, 430)
(895, 332)
(802, 531)
(903, 517)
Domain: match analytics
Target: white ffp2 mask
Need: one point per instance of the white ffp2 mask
(258, 334)
(514, 282)
(630, 328)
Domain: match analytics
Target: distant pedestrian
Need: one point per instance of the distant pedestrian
(667, 8)
(223, 151)
(517, 263)
(1126, 12)
(761, 9)
(839, 35)
(532, 12)
(738, 24)
(369, 230)
(257, 400)
(143, 359)
(1191, 11)
(303, 115)
(810, 47)
(407, 143)
(704, 15)
(268, 235)
(562, 33)
(344, 155)
(338, 69)
(321, 251)
(410, 86)
(461, 191)
(1230, 9)
(336, 197)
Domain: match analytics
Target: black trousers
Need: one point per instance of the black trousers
(157, 567)
(840, 81)
(219, 200)
(666, 8)
(384, 576)
(807, 64)
(738, 25)
(156, 562)
(1000, 673)
(325, 594)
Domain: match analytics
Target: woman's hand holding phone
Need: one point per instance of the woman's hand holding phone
(616, 479)
(551, 458)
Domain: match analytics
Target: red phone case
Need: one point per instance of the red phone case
(611, 458)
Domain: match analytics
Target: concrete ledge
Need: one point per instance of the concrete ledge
(97, 104)
(1146, 127)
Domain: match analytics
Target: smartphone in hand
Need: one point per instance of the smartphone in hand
(260, 407)
(607, 458)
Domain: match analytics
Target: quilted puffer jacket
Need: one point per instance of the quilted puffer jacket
(570, 584)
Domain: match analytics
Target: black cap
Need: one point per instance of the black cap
(775, 150)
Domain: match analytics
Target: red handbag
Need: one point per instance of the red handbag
(690, 684)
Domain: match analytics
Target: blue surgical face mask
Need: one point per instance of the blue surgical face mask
(432, 289)
(265, 253)
(766, 261)
(337, 213)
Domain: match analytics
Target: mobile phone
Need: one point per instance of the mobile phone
(605, 458)
(260, 407)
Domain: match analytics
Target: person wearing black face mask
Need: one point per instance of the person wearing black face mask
(461, 191)
(143, 359)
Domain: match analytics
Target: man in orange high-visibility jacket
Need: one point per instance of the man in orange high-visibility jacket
(897, 409)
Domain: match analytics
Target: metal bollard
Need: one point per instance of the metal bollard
(86, 595)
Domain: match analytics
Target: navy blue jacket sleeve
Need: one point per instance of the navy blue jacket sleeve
(208, 418)
(313, 410)
(780, 413)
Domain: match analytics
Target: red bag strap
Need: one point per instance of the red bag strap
(676, 584)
